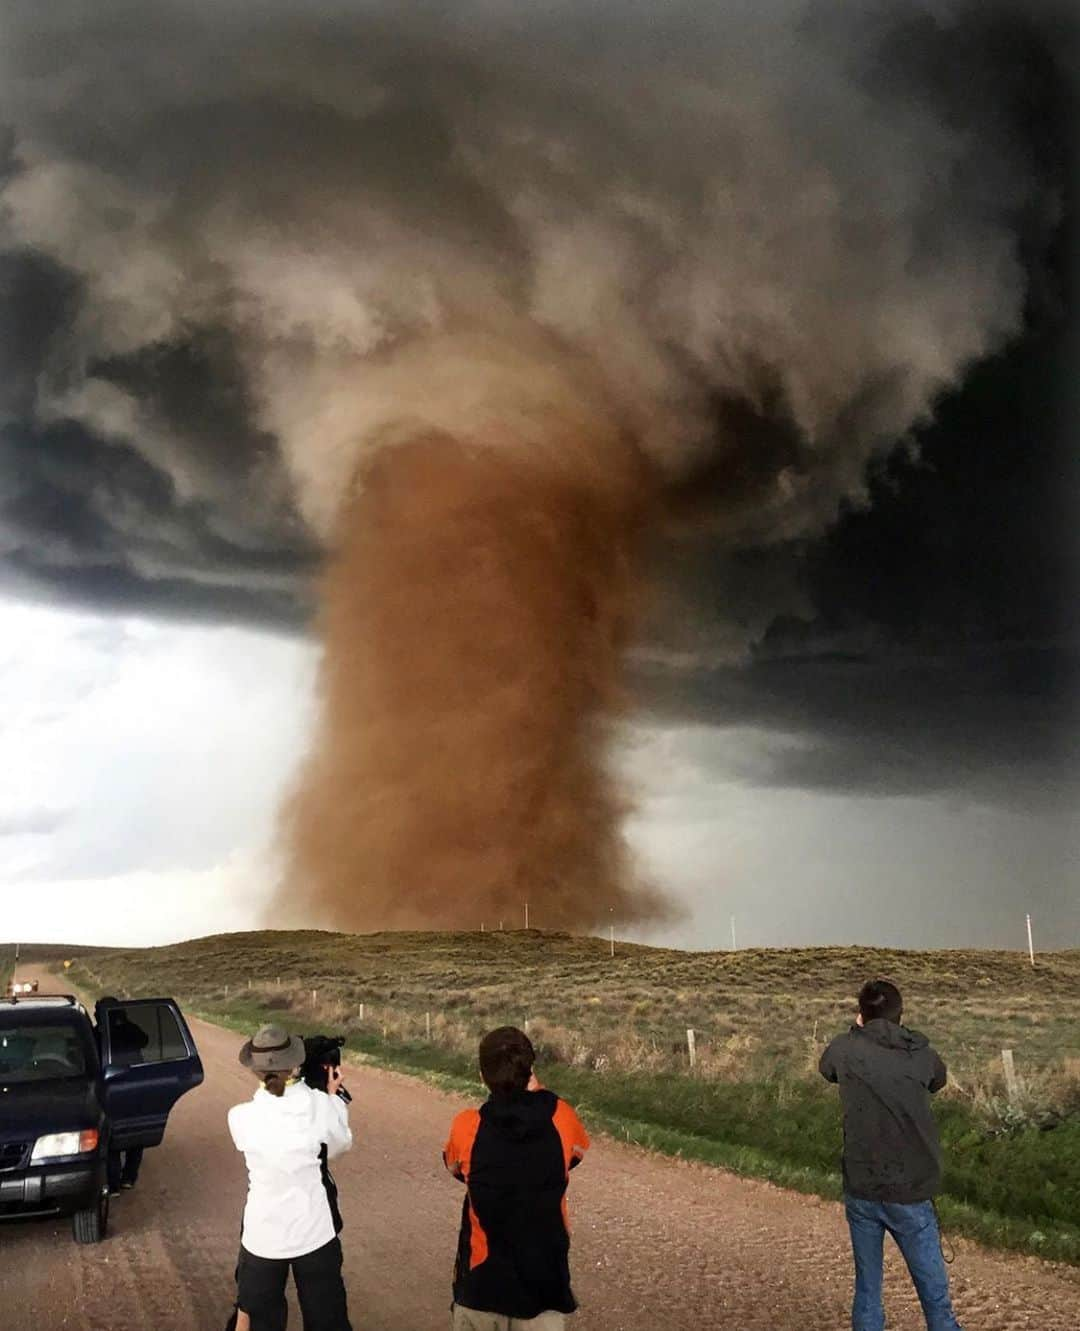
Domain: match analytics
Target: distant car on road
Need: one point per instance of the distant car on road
(70, 1092)
(20, 987)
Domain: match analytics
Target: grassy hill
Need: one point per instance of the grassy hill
(756, 1013)
(45, 953)
(611, 1035)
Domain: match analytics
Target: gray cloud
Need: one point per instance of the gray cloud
(32, 822)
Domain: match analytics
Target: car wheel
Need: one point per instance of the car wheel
(90, 1226)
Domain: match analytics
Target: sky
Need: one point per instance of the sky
(840, 322)
(153, 756)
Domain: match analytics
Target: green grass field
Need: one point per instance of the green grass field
(611, 1036)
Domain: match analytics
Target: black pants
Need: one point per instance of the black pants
(124, 1167)
(260, 1289)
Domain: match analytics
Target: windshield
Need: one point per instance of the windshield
(41, 1052)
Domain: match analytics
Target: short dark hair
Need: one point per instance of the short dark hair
(880, 999)
(506, 1059)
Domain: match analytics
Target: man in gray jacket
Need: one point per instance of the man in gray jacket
(892, 1157)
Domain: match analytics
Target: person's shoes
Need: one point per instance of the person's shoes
(126, 1185)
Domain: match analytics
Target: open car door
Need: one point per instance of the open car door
(148, 1061)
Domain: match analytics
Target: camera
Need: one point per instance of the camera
(322, 1052)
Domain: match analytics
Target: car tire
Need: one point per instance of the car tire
(91, 1225)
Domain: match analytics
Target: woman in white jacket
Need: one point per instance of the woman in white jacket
(288, 1223)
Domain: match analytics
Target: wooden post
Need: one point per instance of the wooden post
(361, 1012)
(733, 947)
(526, 915)
(481, 926)
(249, 981)
(611, 930)
(1012, 1086)
(314, 997)
(226, 991)
(1031, 945)
(690, 1046)
(427, 1024)
(525, 1026)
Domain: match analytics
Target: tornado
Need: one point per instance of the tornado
(474, 618)
(424, 324)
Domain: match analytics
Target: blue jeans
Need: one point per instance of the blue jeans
(915, 1229)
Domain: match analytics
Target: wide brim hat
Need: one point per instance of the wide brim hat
(272, 1049)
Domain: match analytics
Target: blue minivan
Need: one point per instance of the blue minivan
(71, 1092)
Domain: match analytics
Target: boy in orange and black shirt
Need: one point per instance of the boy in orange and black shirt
(514, 1154)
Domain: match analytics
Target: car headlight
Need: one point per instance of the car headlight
(57, 1144)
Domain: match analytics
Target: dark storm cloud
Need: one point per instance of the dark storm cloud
(931, 641)
(92, 520)
(99, 519)
(209, 207)
(998, 725)
(775, 232)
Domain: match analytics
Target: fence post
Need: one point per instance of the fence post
(314, 997)
(1012, 1086)
(427, 1024)
(690, 1046)
(361, 1012)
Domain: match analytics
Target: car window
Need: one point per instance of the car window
(144, 1034)
(41, 1052)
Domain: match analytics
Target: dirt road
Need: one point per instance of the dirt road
(657, 1245)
